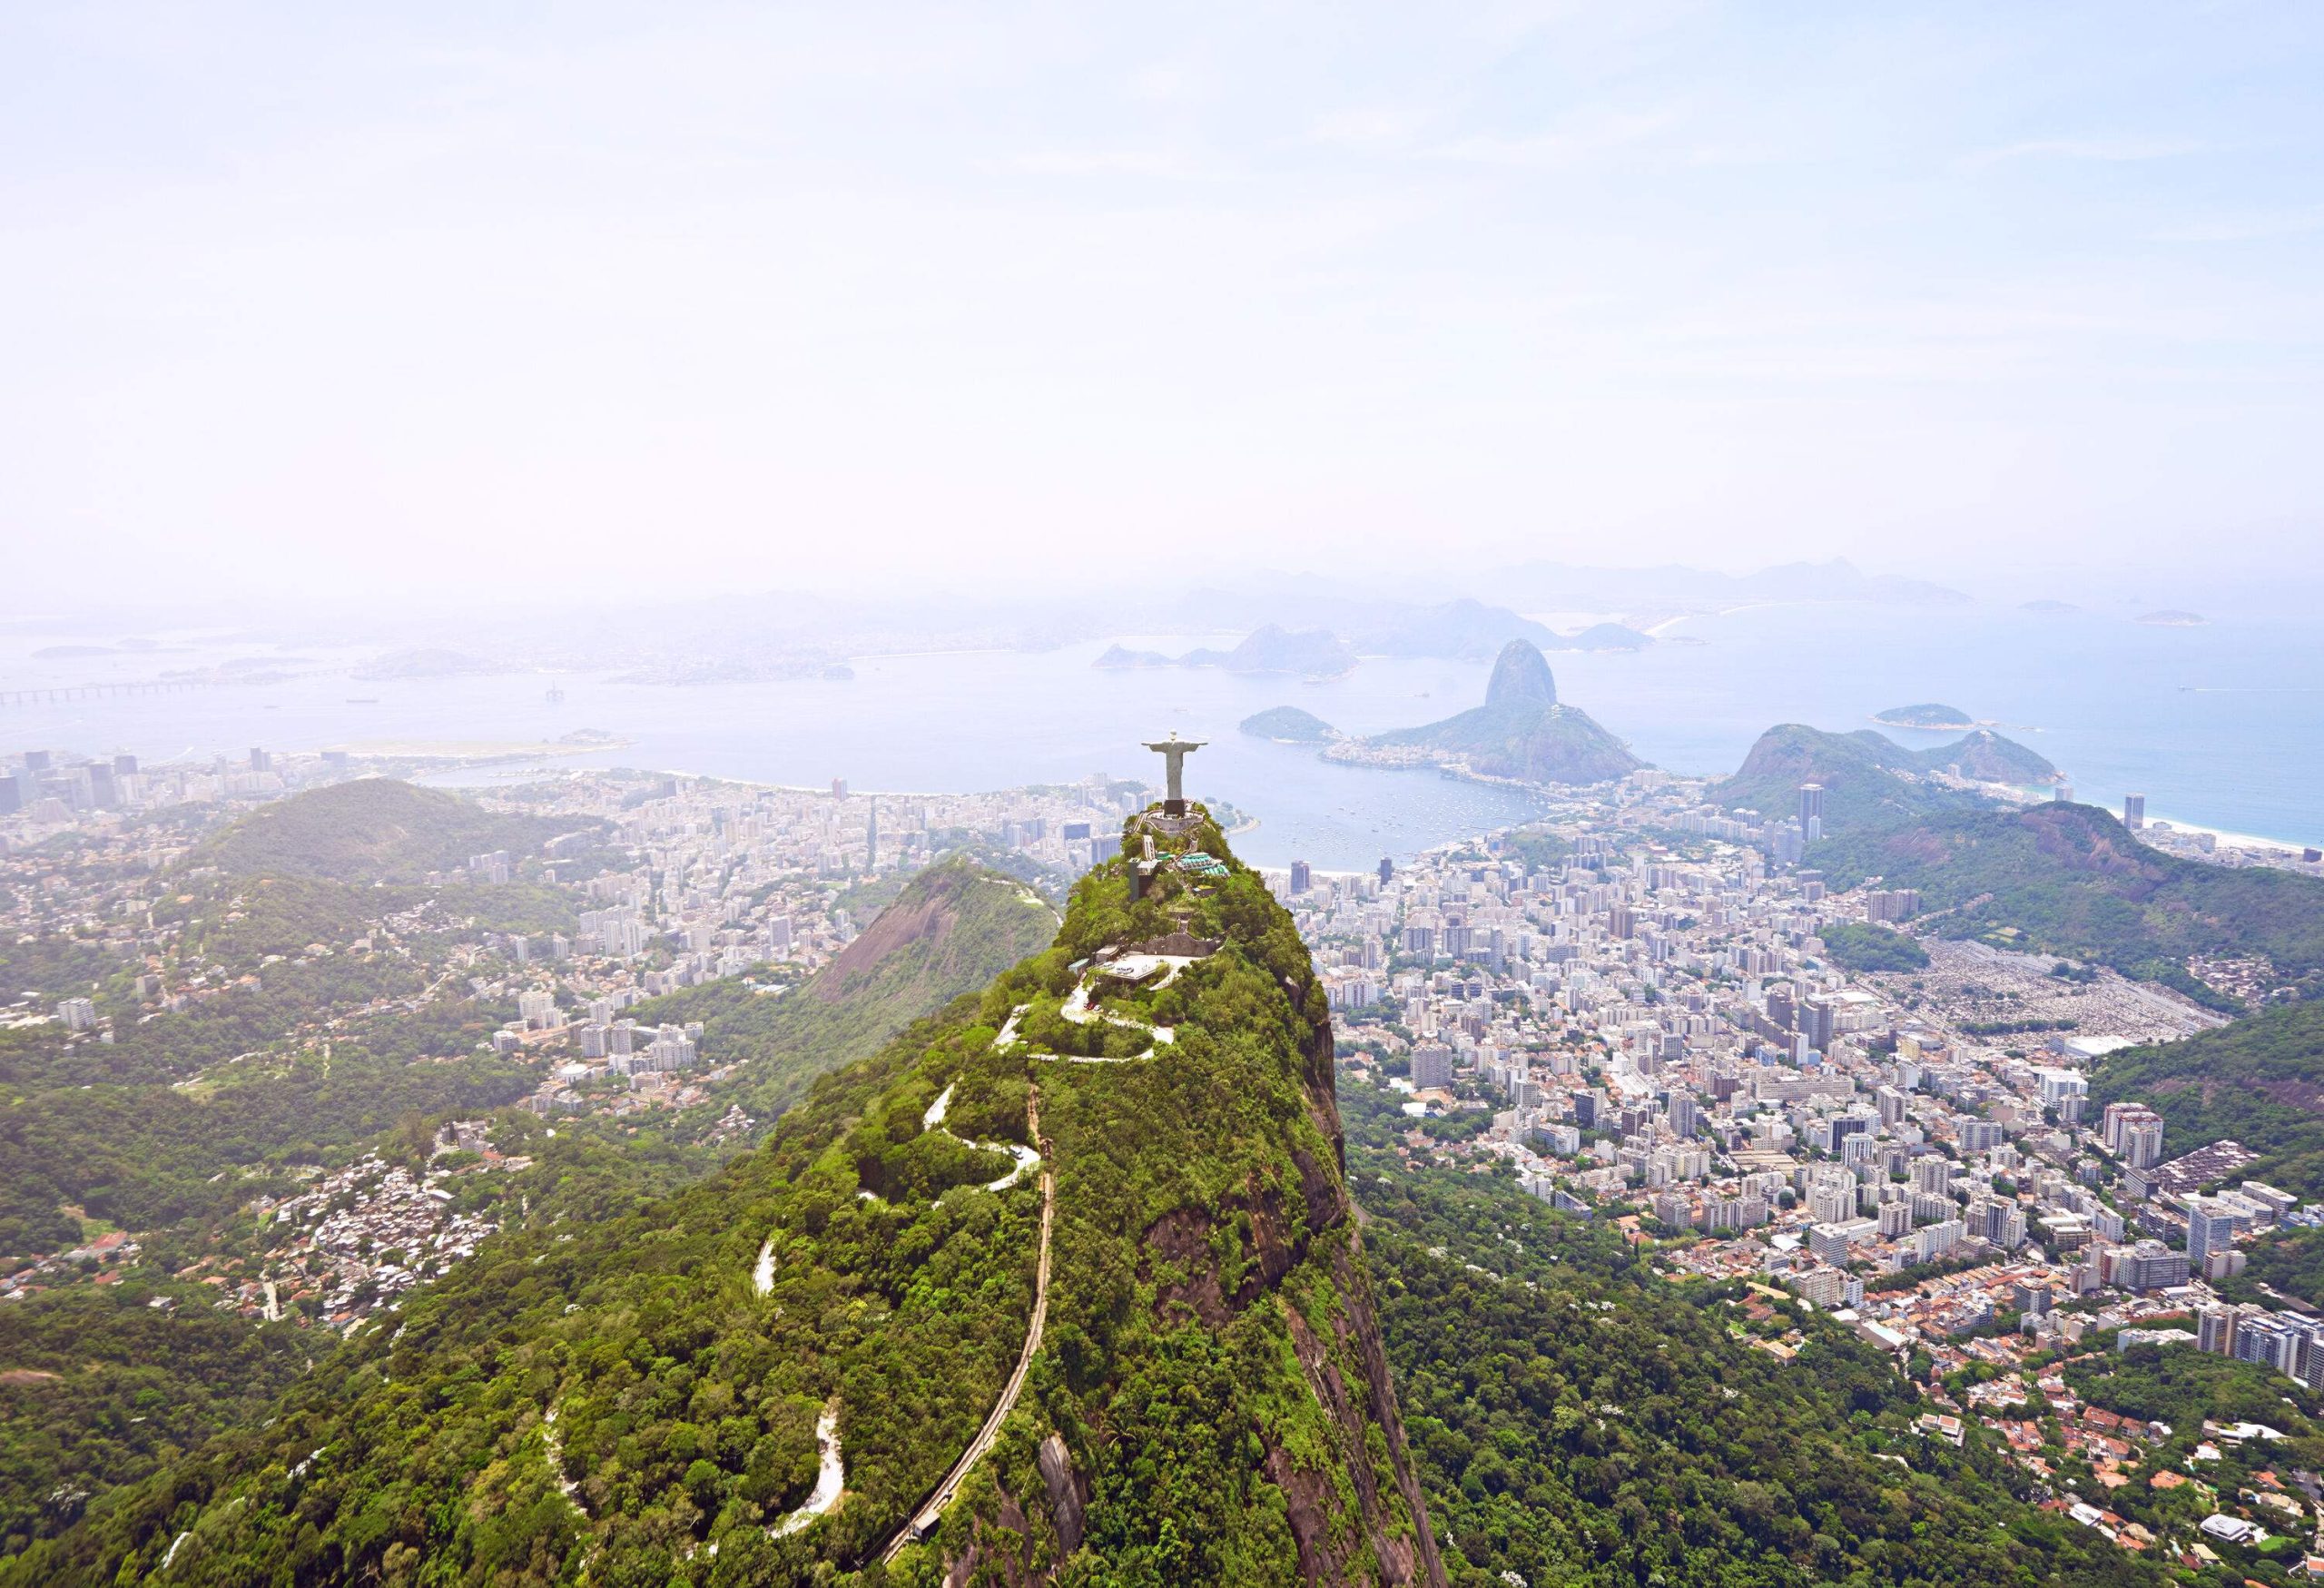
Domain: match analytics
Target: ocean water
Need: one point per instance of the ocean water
(2221, 725)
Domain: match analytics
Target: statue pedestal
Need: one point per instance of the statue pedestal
(1169, 824)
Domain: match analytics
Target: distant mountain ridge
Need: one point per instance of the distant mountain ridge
(1462, 630)
(1551, 587)
(1314, 653)
(1869, 780)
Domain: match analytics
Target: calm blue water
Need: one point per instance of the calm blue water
(2221, 725)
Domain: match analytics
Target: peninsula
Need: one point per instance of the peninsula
(1520, 732)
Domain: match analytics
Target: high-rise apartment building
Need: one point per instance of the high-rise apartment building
(2211, 1227)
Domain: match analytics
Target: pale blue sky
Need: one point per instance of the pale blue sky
(534, 297)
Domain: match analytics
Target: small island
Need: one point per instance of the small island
(2171, 618)
(1928, 714)
(1118, 659)
(1606, 637)
(1287, 725)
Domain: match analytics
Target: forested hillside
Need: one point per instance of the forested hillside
(373, 829)
(1869, 781)
(1579, 1419)
(2070, 879)
(100, 1386)
(952, 930)
(1211, 1403)
(2258, 1081)
(784, 1359)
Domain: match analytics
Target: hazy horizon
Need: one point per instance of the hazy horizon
(436, 308)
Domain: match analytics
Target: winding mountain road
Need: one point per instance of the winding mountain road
(925, 1518)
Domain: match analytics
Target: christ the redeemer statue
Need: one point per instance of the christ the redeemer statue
(1173, 750)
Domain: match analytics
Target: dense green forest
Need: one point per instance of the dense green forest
(2071, 880)
(2259, 1080)
(686, 1404)
(98, 1386)
(146, 1157)
(2289, 1262)
(51, 965)
(1204, 1269)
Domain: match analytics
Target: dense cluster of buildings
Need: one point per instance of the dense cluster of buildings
(694, 879)
(1640, 996)
(1634, 1005)
(44, 790)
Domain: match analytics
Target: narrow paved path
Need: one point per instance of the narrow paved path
(925, 1518)
(1130, 968)
(831, 1477)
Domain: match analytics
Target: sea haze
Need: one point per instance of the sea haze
(2220, 725)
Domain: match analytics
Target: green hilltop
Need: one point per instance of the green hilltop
(371, 829)
(1105, 1196)
(1289, 725)
(1985, 757)
(2070, 879)
(952, 930)
(1869, 780)
(1928, 714)
(1092, 1227)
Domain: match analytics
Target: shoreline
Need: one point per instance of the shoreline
(2226, 839)
(474, 750)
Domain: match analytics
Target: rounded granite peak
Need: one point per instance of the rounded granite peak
(1521, 676)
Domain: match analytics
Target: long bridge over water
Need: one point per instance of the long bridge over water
(62, 692)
